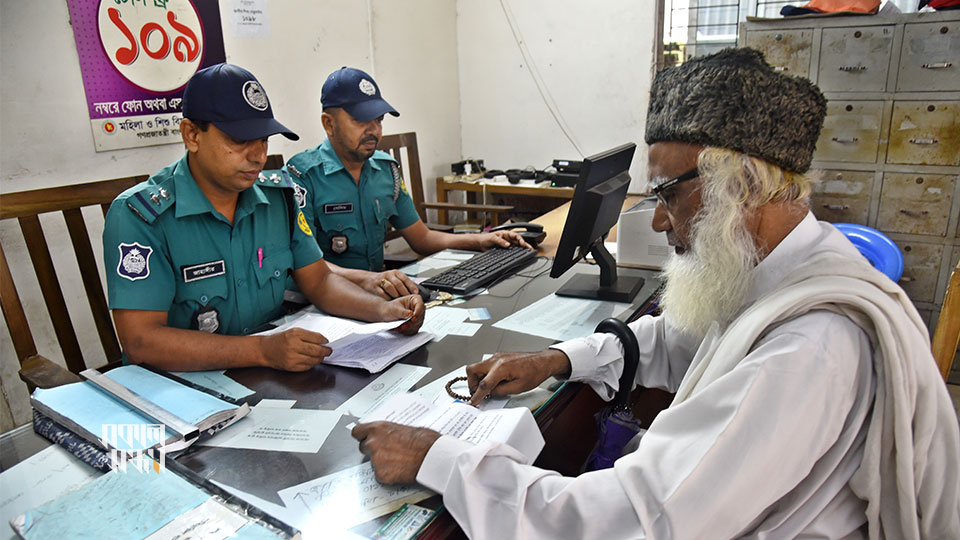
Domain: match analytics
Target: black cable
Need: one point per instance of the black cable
(529, 277)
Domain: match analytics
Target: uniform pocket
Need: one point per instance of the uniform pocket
(201, 292)
(275, 267)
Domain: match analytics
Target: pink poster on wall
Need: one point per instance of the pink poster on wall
(135, 58)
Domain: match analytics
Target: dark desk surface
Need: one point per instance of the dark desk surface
(263, 473)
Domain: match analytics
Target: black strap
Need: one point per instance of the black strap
(631, 357)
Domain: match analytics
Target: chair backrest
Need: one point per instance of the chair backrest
(26, 207)
(394, 145)
(946, 336)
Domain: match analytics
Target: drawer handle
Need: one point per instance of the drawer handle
(781, 68)
(923, 141)
(913, 213)
(849, 69)
(845, 139)
(938, 65)
(840, 207)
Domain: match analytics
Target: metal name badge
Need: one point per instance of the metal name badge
(338, 244)
(208, 320)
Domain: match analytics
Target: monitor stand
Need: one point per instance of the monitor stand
(606, 286)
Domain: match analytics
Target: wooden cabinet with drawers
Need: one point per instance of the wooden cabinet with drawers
(890, 147)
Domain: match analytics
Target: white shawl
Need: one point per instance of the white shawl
(909, 473)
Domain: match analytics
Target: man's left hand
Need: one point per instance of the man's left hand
(389, 284)
(502, 239)
(396, 451)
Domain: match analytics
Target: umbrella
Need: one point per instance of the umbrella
(615, 422)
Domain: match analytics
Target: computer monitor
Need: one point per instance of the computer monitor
(595, 208)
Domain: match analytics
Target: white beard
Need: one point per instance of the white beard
(710, 281)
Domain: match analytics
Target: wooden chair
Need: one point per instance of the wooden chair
(394, 145)
(946, 337)
(26, 207)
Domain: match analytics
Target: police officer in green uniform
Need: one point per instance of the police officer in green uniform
(350, 191)
(197, 256)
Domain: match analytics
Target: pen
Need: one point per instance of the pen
(260, 257)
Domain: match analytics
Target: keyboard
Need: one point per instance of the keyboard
(481, 270)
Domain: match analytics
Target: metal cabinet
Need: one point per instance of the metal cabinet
(855, 59)
(915, 203)
(930, 60)
(851, 131)
(890, 147)
(843, 196)
(786, 50)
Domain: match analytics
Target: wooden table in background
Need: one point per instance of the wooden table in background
(475, 183)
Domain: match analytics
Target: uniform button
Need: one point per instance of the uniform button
(276, 273)
(239, 283)
(203, 299)
(246, 330)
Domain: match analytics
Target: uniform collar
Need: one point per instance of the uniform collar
(331, 161)
(192, 201)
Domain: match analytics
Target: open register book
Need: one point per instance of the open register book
(514, 427)
(133, 409)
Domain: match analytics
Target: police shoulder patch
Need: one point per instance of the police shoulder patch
(134, 261)
(302, 222)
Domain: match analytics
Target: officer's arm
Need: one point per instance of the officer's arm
(337, 295)
(425, 241)
(387, 284)
(146, 338)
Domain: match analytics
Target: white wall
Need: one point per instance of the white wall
(45, 130)
(594, 59)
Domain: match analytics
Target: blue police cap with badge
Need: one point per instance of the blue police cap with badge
(355, 92)
(232, 99)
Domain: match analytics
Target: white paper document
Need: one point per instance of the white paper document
(430, 263)
(514, 427)
(395, 380)
(346, 498)
(442, 321)
(454, 255)
(38, 480)
(370, 346)
(436, 391)
(561, 318)
(281, 430)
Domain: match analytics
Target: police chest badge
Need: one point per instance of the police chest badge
(338, 243)
(208, 320)
(134, 261)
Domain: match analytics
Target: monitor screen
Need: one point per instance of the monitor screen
(594, 210)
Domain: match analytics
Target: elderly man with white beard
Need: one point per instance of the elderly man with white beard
(808, 404)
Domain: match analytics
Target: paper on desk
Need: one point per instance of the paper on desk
(339, 332)
(38, 480)
(276, 403)
(454, 255)
(346, 498)
(443, 320)
(280, 430)
(561, 318)
(376, 352)
(436, 391)
(398, 378)
(216, 381)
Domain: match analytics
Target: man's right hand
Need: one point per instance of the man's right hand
(294, 350)
(511, 373)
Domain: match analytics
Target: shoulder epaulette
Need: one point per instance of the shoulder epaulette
(274, 178)
(150, 200)
(301, 163)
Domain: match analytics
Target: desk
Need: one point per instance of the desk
(263, 473)
(477, 184)
(554, 220)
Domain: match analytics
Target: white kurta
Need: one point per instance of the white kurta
(765, 451)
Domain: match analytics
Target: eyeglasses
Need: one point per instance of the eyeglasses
(659, 189)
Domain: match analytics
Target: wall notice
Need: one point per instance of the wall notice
(248, 18)
(135, 58)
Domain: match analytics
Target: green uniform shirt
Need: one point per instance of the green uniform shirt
(166, 249)
(337, 206)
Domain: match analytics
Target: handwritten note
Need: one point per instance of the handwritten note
(349, 497)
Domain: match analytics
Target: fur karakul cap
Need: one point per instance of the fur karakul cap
(733, 99)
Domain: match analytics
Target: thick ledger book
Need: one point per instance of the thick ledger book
(136, 504)
(514, 427)
(132, 409)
